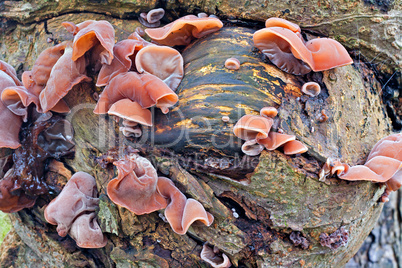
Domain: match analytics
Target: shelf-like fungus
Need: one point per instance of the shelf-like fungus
(383, 165)
(182, 31)
(282, 43)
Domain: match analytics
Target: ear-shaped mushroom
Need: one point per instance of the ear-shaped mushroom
(278, 44)
(17, 99)
(183, 30)
(135, 186)
(124, 55)
(155, 15)
(131, 111)
(89, 34)
(384, 164)
(163, 62)
(232, 64)
(44, 63)
(252, 148)
(181, 212)
(77, 197)
(8, 135)
(269, 112)
(275, 140)
(86, 232)
(213, 258)
(146, 89)
(251, 127)
(294, 147)
(12, 202)
(311, 88)
(327, 54)
(287, 51)
(65, 74)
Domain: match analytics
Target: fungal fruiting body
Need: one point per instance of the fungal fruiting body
(73, 211)
(214, 257)
(383, 165)
(232, 64)
(182, 31)
(283, 44)
(256, 131)
(139, 189)
(311, 88)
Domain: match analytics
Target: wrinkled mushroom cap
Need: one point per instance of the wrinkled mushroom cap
(90, 33)
(131, 111)
(77, 197)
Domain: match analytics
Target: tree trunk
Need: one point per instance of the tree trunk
(260, 204)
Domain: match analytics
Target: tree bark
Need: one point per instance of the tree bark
(273, 197)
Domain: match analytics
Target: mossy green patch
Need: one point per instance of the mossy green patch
(5, 225)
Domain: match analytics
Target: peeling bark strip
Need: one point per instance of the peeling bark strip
(282, 194)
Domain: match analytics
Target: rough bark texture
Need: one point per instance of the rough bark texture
(283, 196)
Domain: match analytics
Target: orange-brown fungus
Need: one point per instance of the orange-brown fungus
(384, 164)
(311, 88)
(232, 64)
(184, 30)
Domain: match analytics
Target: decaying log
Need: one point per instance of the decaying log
(260, 203)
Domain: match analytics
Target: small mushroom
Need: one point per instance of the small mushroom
(311, 88)
(232, 64)
(251, 127)
(270, 112)
(214, 258)
(384, 165)
(155, 15)
(182, 31)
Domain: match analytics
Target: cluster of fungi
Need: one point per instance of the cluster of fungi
(137, 75)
